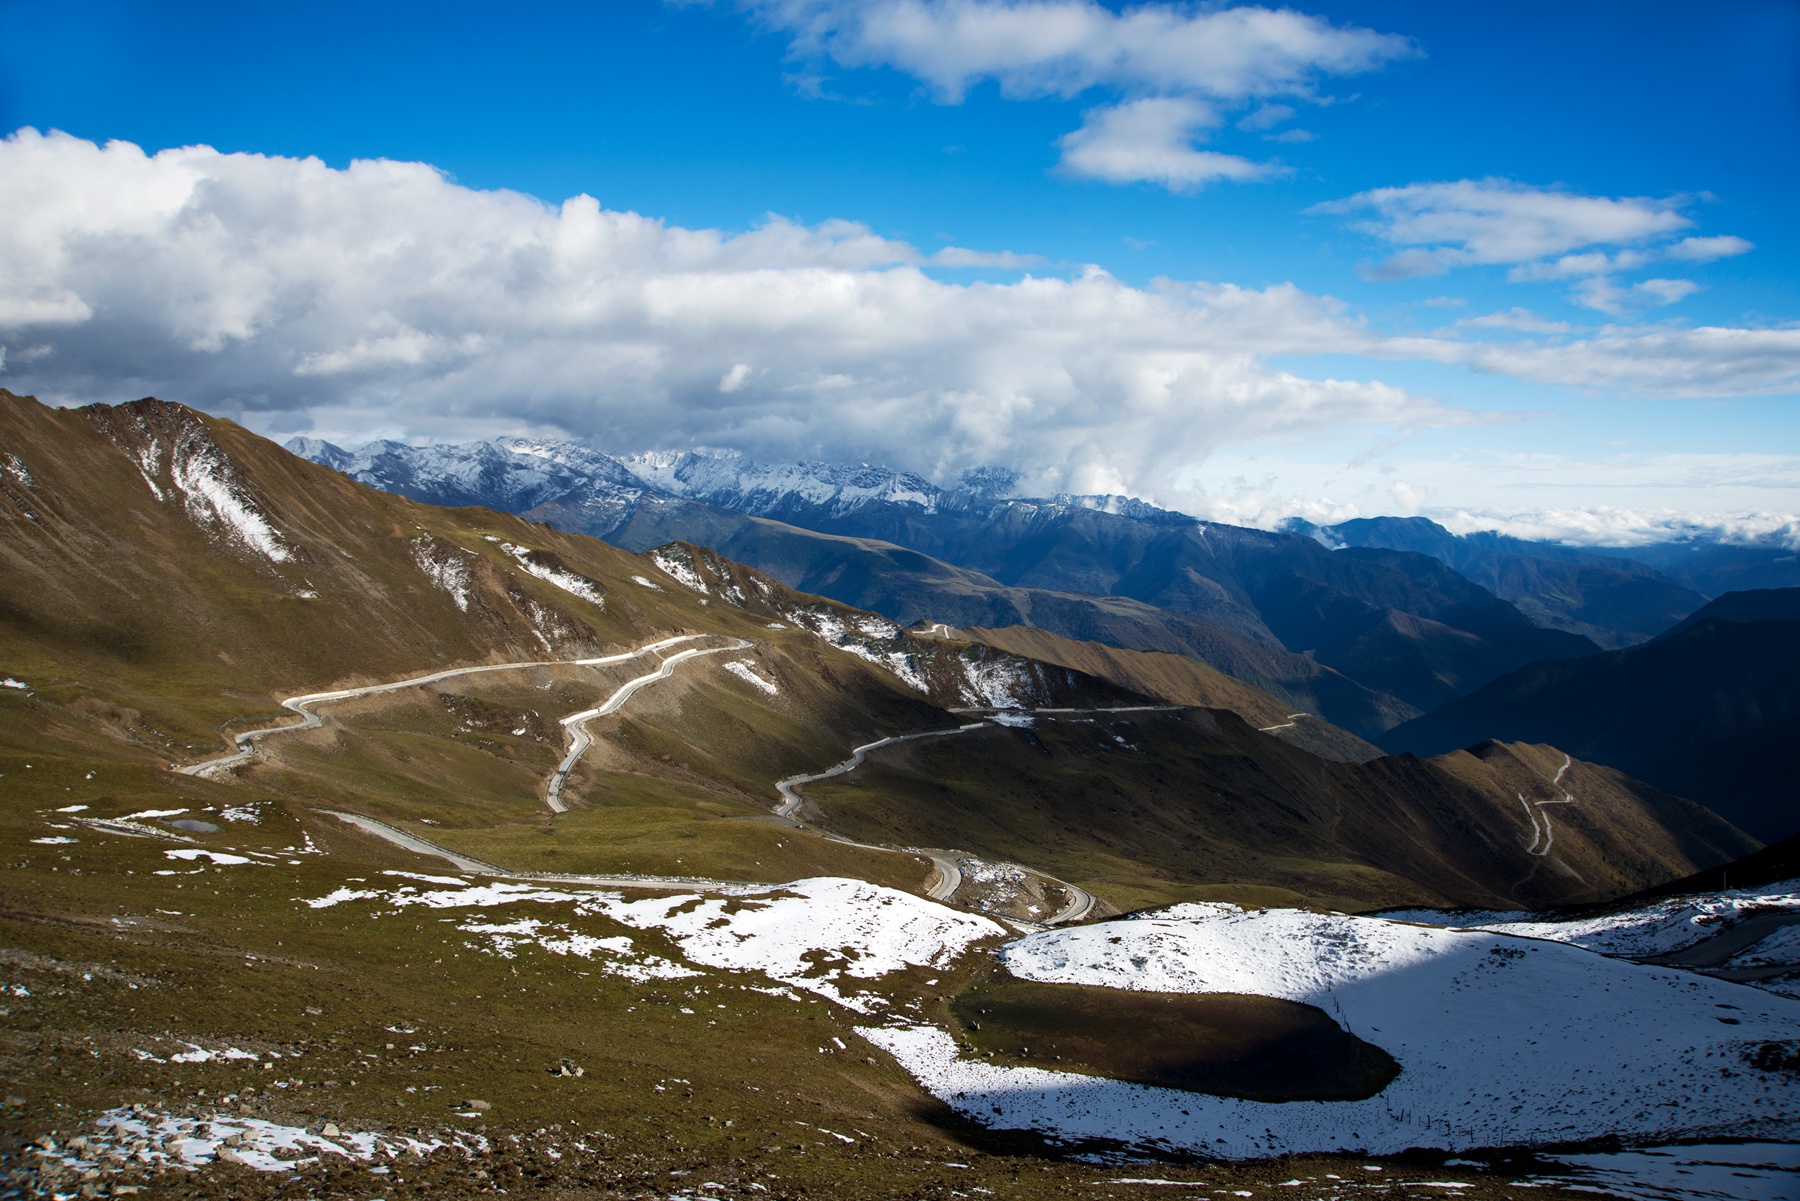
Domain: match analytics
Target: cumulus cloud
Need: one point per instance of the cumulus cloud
(1151, 141)
(1158, 59)
(1542, 233)
(384, 299)
(257, 285)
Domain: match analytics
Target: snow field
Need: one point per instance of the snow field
(818, 934)
(1501, 1041)
(1655, 929)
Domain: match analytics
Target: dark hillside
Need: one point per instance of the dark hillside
(1712, 713)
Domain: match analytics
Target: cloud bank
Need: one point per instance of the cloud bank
(384, 298)
(250, 284)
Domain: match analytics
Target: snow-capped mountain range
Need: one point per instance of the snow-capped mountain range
(519, 474)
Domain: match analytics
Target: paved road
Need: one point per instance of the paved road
(1080, 903)
(412, 842)
(311, 720)
(791, 800)
(576, 723)
(949, 873)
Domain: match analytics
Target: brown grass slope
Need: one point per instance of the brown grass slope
(1183, 681)
(118, 587)
(1150, 808)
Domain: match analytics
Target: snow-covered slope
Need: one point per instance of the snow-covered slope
(1502, 1041)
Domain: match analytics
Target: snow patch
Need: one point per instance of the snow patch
(816, 934)
(745, 670)
(220, 857)
(1654, 929)
(134, 1138)
(538, 564)
(679, 570)
(445, 567)
(213, 496)
(614, 956)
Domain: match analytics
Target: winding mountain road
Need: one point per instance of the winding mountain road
(949, 872)
(311, 720)
(576, 723)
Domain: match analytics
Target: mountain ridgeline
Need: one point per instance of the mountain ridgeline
(1394, 623)
(169, 577)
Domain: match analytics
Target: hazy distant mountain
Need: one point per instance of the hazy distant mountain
(1711, 712)
(1615, 601)
(1757, 604)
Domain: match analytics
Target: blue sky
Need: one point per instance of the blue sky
(1481, 237)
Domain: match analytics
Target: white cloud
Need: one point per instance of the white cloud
(1150, 54)
(1408, 497)
(1473, 221)
(1543, 233)
(1519, 319)
(1064, 47)
(1006, 260)
(1603, 295)
(1706, 250)
(260, 285)
(385, 299)
(1654, 362)
(1151, 141)
(1607, 525)
(1267, 117)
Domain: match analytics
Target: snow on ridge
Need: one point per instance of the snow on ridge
(445, 567)
(1502, 1041)
(212, 494)
(1655, 928)
(533, 562)
(680, 570)
(14, 466)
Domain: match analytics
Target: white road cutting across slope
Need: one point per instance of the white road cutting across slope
(576, 723)
(311, 720)
(949, 874)
(1080, 902)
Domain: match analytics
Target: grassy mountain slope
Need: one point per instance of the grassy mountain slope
(1711, 713)
(166, 577)
(908, 586)
(1184, 681)
(1147, 809)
